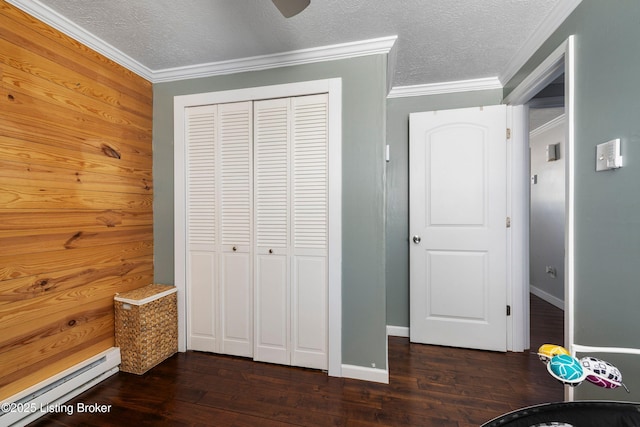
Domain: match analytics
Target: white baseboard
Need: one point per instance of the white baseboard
(60, 388)
(398, 331)
(553, 300)
(366, 374)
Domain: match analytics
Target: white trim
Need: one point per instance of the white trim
(549, 125)
(47, 15)
(147, 299)
(334, 88)
(50, 17)
(569, 281)
(546, 296)
(560, 61)
(398, 331)
(446, 87)
(550, 69)
(365, 374)
(335, 227)
(577, 348)
(380, 45)
(258, 93)
(518, 234)
(549, 102)
(556, 16)
(38, 10)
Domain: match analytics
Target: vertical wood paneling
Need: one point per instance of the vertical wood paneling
(76, 195)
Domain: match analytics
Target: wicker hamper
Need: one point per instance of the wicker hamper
(146, 326)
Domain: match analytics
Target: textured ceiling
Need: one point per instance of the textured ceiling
(438, 40)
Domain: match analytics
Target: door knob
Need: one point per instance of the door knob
(416, 239)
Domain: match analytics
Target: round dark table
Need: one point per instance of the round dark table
(574, 414)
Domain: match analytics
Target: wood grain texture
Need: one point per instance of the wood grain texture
(428, 386)
(76, 198)
(17, 266)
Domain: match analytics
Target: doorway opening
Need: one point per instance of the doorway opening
(559, 65)
(547, 146)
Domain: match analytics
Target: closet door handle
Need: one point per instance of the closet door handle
(270, 251)
(234, 249)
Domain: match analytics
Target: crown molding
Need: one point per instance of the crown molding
(382, 45)
(556, 16)
(446, 87)
(549, 125)
(376, 46)
(548, 102)
(62, 24)
(47, 15)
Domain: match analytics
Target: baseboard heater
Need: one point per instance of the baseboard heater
(36, 401)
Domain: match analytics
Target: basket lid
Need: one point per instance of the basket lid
(145, 294)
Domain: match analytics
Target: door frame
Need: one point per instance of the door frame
(334, 89)
(562, 60)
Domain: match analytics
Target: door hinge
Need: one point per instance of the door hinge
(508, 310)
(508, 222)
(508, 133)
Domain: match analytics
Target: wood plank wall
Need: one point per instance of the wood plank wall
(76, 194)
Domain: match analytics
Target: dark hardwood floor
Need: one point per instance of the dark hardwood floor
(429, 386)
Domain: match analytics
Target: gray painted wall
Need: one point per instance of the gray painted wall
(397, 186)
(547, 218)
(607, 204)
(363, 268)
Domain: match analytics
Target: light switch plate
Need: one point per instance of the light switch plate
(553, 151)
(608, 155)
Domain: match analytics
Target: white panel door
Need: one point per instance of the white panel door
(202, 249)
(458, 227)
(235, 200)
(309, 223)
(271, 213)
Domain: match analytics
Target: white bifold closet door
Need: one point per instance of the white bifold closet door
(257, 229)
(291, 231)
(219, 228)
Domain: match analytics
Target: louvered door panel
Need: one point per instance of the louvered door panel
(271, 211)
(235, 141)
(201, 185)
(271, 204)
(310, 173)
(309, 288)
(235, 204)
(202, 253)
